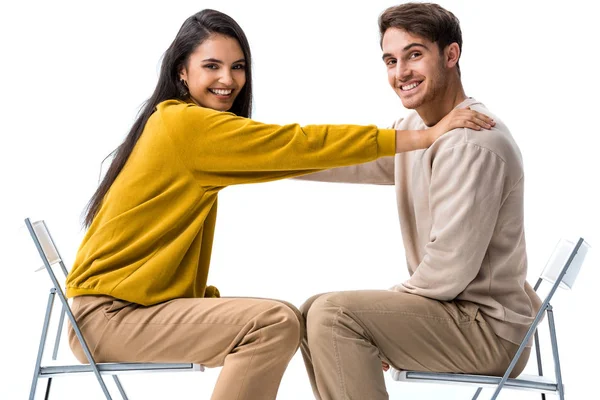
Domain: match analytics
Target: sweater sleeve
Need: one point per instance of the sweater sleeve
(223, 149)
(466, 189)
(378, 172)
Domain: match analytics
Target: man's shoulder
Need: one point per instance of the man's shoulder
(498, 140)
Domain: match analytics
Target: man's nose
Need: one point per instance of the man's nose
(403, 72)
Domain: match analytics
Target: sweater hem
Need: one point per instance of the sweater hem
(78, 291)
(508, 331)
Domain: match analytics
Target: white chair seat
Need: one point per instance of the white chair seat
(524, 382)
(118, 368)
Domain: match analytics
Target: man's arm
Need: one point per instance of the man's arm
(378, 172)
(467, 185)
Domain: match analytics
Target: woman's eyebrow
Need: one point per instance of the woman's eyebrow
(214, 60)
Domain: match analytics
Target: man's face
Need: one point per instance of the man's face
(416, 69)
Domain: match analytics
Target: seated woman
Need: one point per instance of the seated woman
(139, 281)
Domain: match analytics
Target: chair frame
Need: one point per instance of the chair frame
(98, 369)
(539, 383)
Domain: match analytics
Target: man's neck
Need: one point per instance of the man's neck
(432, 112)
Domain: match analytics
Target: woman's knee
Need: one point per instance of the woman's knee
(288, 323)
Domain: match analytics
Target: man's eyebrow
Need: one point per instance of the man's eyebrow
(415, 44)
(406, 48)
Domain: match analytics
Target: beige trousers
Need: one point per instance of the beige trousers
(252, 339)
(348, 334)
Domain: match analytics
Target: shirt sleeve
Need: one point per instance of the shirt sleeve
(223, 149)
(466, 189)
(378, 172)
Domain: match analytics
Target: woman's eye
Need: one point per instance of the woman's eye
(211, 66)
(239, 66)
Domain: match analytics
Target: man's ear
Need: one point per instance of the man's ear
(452, 54)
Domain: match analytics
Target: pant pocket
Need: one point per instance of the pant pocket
(463, 312)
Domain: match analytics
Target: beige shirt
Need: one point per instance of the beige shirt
(460, 204)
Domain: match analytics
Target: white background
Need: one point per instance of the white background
(73, 76)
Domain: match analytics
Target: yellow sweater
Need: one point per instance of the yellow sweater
(151, 240)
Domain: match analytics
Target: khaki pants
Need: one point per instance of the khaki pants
(253, 339)
(348, 334)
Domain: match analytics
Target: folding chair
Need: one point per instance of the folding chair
(51, 257)
(560, 270)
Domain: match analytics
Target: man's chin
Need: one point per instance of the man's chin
(410, 105)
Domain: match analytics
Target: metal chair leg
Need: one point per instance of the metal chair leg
(61, 321)
(538, 355)
(120, 387)
(47, 396)
(477, 393)
(38, 362)
(554, 343)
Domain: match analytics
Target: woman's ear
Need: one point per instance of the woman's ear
(183, 74)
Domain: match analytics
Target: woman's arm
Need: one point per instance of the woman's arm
(222, 149)
(381, 171)
(458, 118)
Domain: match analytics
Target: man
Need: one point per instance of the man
(466, 306)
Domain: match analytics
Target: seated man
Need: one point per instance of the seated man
(467, 305)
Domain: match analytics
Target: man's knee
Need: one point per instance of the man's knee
(304, 308)
(320, 316)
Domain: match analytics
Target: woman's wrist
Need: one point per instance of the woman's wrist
(409, 140)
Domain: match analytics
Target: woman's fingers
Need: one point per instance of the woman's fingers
(480, 119)
(470, 119)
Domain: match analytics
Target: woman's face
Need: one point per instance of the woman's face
(215, 72)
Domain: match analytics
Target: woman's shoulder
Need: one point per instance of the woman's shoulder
(173, 106)
(174, 110)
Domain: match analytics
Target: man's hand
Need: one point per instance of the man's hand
(385, 366)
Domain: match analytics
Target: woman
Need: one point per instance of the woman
(139, 278)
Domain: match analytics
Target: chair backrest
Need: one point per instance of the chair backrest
(565, 262)
(45, 245)
(42, 235)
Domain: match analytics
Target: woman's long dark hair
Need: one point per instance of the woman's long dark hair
(195, 30)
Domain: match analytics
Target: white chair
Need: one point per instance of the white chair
(560, 271)
(51, 257)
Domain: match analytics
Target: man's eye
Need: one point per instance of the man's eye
(414, 55)
(391, 61)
